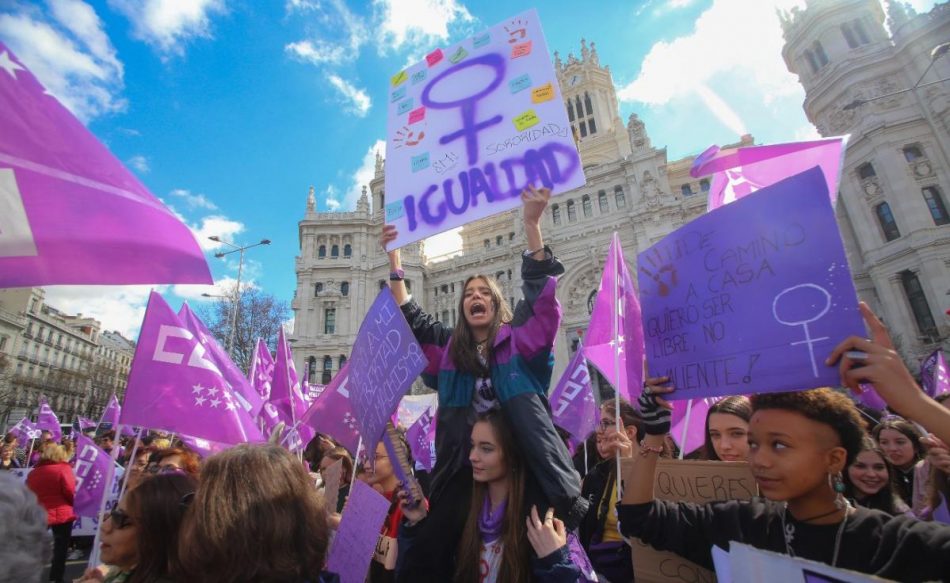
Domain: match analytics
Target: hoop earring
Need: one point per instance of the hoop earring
(837, 485)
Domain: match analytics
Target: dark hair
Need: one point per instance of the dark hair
(256, 517)
(158, 506)
(110, 435)
(515, 560)
(938, 486)
(901, 426)
(739, 406)
(340, 453)
(886, 499)
(462, 348)
(824, 406)
(628, 415)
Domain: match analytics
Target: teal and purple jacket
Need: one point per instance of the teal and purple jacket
(521, 367)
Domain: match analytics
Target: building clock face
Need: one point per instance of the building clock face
(575, 80)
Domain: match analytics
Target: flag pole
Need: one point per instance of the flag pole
(30, 453)
(94, 554)
(356, 460)
(616, 334)
(586, 470)
(689, 410)
(125, 476)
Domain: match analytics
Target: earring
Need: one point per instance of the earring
(837, 484)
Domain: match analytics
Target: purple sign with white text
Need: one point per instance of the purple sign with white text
(750, 298)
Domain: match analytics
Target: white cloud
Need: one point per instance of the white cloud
(116, 307)
(140, 163)
(806, 133)
(169, 24)
(216, 225)
(224, 286)
(69, 53)
(194, 201)
(343, 34)
(332, 198)
(444, 245)
(317, 51)
(719, 108)
(416, 22)
(356, 100)
(363, 175)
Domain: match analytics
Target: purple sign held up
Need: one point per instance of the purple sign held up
(355, 540)
(751, 298)
(385, 361)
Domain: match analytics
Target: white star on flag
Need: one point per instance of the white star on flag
(215, 402)
(231, 406)
(196, 390)
(8, 65)
(200, 401)
(213, 391)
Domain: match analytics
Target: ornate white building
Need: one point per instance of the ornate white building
(859, 79)
(632, 188)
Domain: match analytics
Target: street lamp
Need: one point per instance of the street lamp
(937, 52)
(237, 289)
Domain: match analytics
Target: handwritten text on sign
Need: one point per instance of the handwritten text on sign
(355, 540)
(750, 298)
(385, 361)
(491, 122)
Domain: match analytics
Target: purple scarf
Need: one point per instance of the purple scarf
(489, 523)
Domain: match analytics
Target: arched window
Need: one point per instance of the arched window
(322, 252)
(912, 153)
(570, 110)
(810, 59)
(590, 108)
(327, 370)
(312, 367)
(571, 212)
(347, 250)
(498, 240)
(602, 202)
(866, 171)
(687, 190)
(619, 197)
(335, 251)
(820, 56)
(886, 218)
(580, 108)
(585, 203)
(317, 288)
(938, 210)
(919, 305)
(704, 185)
(556, 214)
(342, 360)
(345, 288)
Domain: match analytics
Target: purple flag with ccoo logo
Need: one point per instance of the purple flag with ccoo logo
(332, 412)
(46, 420)
(91, 468)
(573, 403)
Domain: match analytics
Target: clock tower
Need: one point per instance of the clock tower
(592, 108)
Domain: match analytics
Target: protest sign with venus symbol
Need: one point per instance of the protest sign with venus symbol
(752, 297)
(472, 130)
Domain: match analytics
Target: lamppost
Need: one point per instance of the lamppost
(937, 52)
(237, 288)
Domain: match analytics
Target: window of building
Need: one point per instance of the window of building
(602, 202)
(849, 36)
(619, 197)
(29, 329)
(342, 360)
(570, 110)
(866, 171)
(583, 127)
(322, 252)
(938, 210)
(382, 283)
(886, 218)
(918, 304)
(810, 59)
(586, 205)
(499, 275)
(347, 250)
(327, 370)
(335, 251)
(704, 185)
(498, 240)
(317, 288)
(591, 125)
(687, 190)
(820, 56)
(345, 288)
(445, 288)
(487, 243)
(445, 316)
(912, 153)
(452, 287)
(854, 34)
(556, 214)
(511, 237)
(329, 321)
(571, 212)
(312, 367)
(3, 343)
(509, 275)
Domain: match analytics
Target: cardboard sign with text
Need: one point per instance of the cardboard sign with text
(689, 481)
(331, 484)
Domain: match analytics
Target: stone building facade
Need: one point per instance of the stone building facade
(859, 78)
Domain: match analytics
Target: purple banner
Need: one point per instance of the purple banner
(46, 420)
(573, 404)
(355, 540)
(24, 430)
(750, 298)
(421, 438)
(332, 412)
(385, 361)
(92, 469)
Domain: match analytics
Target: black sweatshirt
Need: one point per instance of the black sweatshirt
(895, 547)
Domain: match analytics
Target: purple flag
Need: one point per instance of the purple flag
(91, 467)
(934, 374)
(421, 438)
(573, 403)
(741, 171)
(870, 397)
(615, 332)
(203, 447)
(240, 385)
(24, 430)
(72, 213)
(752, 297)
(46, 420)
(386, 359)
(286, 397)
(356, 539)
(332, 412)
(174, 386)
(262, 369)
(694, 427)
(111, 413)
(83, 424)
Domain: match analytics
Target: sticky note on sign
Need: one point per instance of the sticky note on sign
(521, 49)
(417, 115)
(480, 41)
(404, 106)
(519, 83)
(398, 94)
(434, 57)
(419, 76)
(458, 55)
(420, 162)
(399, 78)
(394, 210)
(526, 120)
(542, 93)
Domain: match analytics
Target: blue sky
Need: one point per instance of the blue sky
(229, 110)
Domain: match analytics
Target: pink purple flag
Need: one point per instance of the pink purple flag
(738, 172)
(111, 413)
(262, 369)
(46, 420)
(615, 332)
(203, 447)
(24, 430)
(174, 386)
(286, 397)
(870, 397)
(83, 424)
(690, 434)
(71, 212)
(934, 374)
(421, 438)
(332, 412)
(573, 403)
(91, 467)
(240, 385)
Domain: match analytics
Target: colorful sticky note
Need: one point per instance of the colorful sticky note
(520, 83)
(420, 162)
(417, 114)
(458, 55)
(399, 78)
(404, 106)
(521, 49)
(526, 120)
(395, 210)
(419, 76)
(542, 93)
(398, 94)
(434, 57)
(481, 40)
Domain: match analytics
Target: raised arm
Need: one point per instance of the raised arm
(638, 474)
(398, 287)
(534, 201)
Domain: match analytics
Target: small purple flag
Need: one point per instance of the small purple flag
(262, 370)
(386, 359)
(240, 386)
(695, 429)
(203, 447)
(421, 438)
(573, 403)
(72, 213)
(24, 430)
(83, 424)
(870, 397)
(92, 469)
(934, 374)
(356, 539)
(332, 412)
(46, 420)
(174, 386)
(615, 331)
(286, 397)
(111, 413)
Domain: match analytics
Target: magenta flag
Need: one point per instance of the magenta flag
(70, 212)
(83, 424)
(24, 431)
(201, 446)
(91, 468)
(286, 397)
(573, 403)
(262, 370)
(240, 385)
(421, 438)
(615, 331)
(934, 374)
(870, 397)
(46, 420)
(111, 413)
(738, 172)
(690, 434)
(332, 412)
(175, 386)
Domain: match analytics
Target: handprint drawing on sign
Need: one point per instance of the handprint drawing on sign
(664, 277)
(517, 30)
(409, 137)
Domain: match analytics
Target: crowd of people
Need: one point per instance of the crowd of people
(847, 486)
